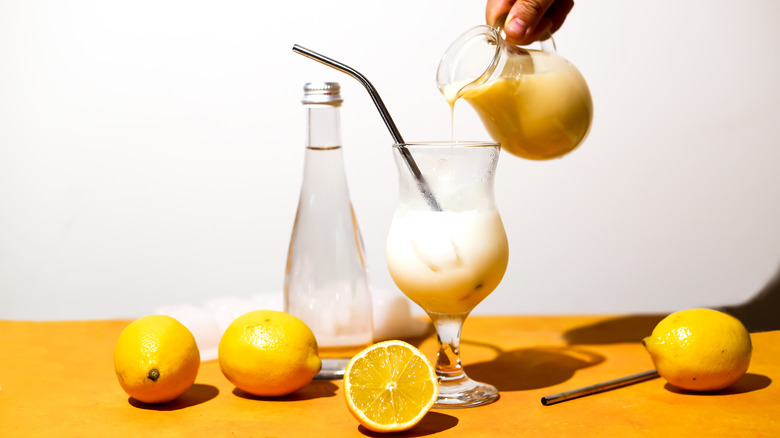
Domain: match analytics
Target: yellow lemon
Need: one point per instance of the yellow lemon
(390, 386)
(156, 359)
(268, 353)
(700, 349)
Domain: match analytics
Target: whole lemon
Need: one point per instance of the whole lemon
(269, 353)
(700, 349)
(156, 359)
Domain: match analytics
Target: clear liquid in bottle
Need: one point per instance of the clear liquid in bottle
(326, 284)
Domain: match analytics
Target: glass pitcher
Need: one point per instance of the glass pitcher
(534, 102)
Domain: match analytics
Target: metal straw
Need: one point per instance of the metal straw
(424, 188)
(599, 387)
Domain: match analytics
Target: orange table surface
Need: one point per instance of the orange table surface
(57, 379)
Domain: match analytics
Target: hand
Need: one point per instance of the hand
(527, 20)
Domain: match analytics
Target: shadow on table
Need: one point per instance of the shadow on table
(628, 329)
(748, 383)
(761, 312)
(531, 368)
(196, 395)
(433, 422)
(315, 389)
(758, 314)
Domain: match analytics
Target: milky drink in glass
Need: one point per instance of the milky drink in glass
(447, 261)
(449, 255)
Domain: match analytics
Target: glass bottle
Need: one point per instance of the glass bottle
(326, 284)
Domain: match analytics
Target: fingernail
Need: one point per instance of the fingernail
(516, 29)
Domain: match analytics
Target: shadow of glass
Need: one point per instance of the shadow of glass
(433, 422)
(625, 329)
(196, 395)
(532, 368)
(315, 389)
(748, 383)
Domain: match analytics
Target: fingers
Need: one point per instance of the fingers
(527, 20)
(558, 12)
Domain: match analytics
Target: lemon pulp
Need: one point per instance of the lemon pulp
(390, 386)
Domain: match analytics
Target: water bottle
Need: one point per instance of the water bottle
(326, 284)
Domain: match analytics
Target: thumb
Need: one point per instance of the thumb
(526, 20)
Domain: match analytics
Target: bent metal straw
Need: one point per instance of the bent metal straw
(424, 188)
(599, 387)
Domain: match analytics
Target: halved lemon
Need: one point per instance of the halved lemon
(390, 386)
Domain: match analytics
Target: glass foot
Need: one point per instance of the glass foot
(464, 393)
(332, 369)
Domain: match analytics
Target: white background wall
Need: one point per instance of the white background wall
(151, 151)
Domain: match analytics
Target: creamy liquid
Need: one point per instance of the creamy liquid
(540, 108)
(447, 262)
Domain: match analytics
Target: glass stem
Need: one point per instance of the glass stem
(448, 328)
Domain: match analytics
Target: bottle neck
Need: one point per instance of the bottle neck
(323, 126)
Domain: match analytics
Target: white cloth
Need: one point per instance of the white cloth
(392, 317)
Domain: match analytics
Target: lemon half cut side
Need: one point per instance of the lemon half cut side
(390, 386)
